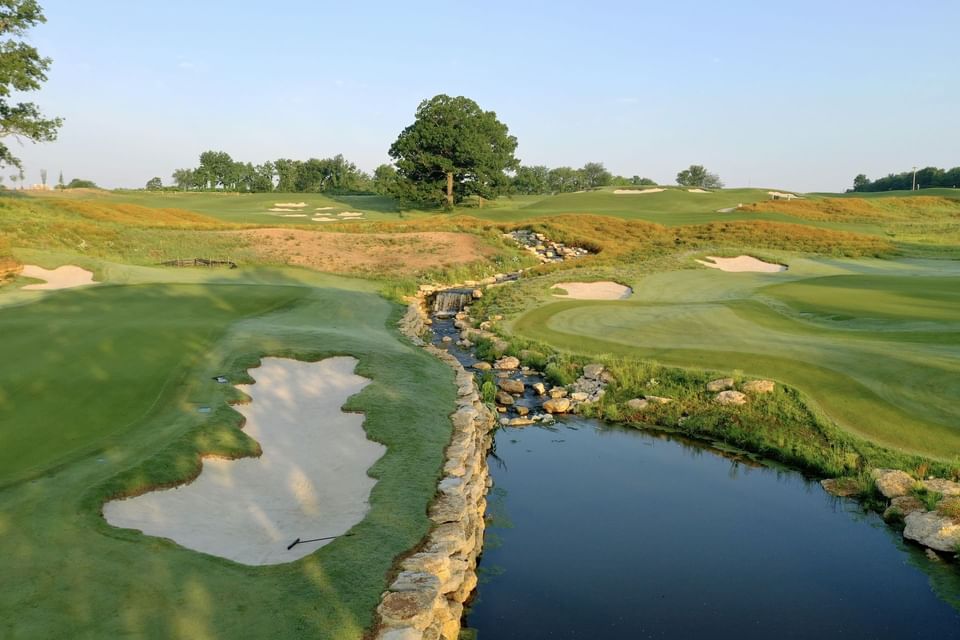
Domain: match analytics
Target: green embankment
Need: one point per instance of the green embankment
(879, 352)
(101, 394)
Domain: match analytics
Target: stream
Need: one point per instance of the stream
(601, 531)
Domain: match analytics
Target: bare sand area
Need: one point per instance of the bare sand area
(636, 192)
(359, 253)
(310, 482)
(65, 277)
(697, 191)
(593, 290)
(742, 264)
(292, 205)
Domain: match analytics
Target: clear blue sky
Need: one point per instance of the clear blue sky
(794, 94)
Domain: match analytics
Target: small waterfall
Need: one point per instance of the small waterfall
(451, 302)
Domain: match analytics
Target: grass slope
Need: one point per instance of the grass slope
(68, 574)
(880, 353)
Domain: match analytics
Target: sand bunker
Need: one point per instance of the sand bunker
(293, 205)
(323, 208)
(634, 192)
(324, 219)
(278, 209)
(741, 264)
(697, 191)
(782, 196)
(350, 214)
(64, 277)
(310, 482)
(294, 215)
(593, 290)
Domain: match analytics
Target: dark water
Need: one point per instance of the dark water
(604, 532)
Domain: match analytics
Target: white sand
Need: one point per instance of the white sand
(350, 214)
(294, 215)
(294, 205)
(633, 192)
(323, 219)
(593, 290)
(741, 264)
(64, 277)
(310, 482)
(277, 209)
(785, 196)
(697, 191)
(323, 208)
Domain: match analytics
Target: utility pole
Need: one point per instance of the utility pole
(914, 188)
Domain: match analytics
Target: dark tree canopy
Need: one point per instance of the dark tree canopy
(697, 176)
(154, 184)
(21, 69)
(926, 178)
(453, 150)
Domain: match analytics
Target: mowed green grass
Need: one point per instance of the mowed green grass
(87, 364)
(878, 351)
(107, 383)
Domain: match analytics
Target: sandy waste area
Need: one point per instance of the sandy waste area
(310, 482)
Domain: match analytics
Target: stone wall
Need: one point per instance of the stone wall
(425, 599)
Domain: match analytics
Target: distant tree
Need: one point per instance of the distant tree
(531, 180)
(861, 182)
(642, 182)
(154, 184)
(287, 172)
(453, 150)
(697, 176)
(43, 178)
(261, 179)
(562, 179)
(60, 184)
(385, 179)
(21, 70)
(595, 175)
(217, 170)
(78, 183)
(184, 179)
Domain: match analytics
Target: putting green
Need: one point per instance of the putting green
(102, 388)
(879, 352)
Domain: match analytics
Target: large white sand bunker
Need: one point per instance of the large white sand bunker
(593, 290)
(64, 277)
(742, 264)
(636, 192)
(310, 482)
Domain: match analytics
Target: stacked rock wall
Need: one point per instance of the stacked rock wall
(426, 598)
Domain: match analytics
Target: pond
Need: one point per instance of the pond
(600, 531)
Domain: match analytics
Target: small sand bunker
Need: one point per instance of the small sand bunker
(294, 215)
(291, 205)
(636, 192)
(779, 195)
(324, 219)
(310, 482)
(323, 208)
(741, 264)
(350, 214)
(593, 290)
(64, 277)
(697, 191)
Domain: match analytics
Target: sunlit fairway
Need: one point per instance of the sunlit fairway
(102, 396)
(875, 344)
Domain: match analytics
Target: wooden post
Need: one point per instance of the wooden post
(450, 189)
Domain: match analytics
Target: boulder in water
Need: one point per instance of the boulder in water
(505, 399)
(893, 483)
(933, 530)
(539, 388)
(511, 386)
(507, 363)
(557, 405)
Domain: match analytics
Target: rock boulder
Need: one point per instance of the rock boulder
(933, 530)
(759, 386)
(557, 405)
(893, 483)
(731, 398)
(721, 384)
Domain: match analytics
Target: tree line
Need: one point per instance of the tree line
(926, 178)
(217, 171)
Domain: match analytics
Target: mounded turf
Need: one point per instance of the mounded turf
(878, 348)
(150, 351)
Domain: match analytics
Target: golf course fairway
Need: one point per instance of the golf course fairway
(105, 404)
(876, 347)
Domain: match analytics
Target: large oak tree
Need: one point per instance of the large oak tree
(453, 150)
(21, 69)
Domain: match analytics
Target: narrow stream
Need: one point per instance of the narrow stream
(599, 531)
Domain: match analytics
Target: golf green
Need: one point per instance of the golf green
(879, 352)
